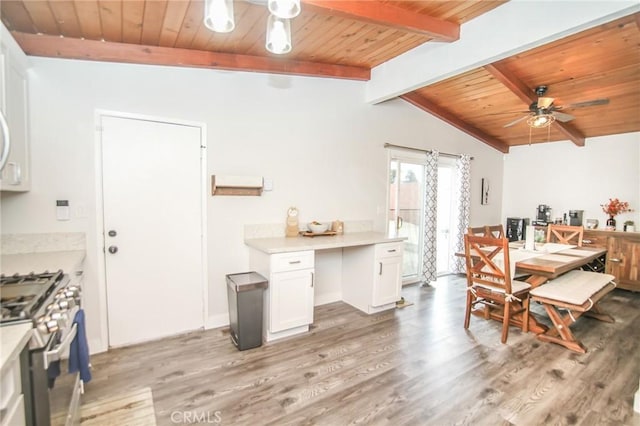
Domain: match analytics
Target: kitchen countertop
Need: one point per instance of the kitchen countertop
(24, 263)
(13, 338)
(300, 243)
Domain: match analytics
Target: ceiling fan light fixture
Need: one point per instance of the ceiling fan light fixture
(285, 9)
(278, 35)
(540, 121)
(218, 15)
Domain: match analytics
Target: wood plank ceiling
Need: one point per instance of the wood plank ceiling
(345, 39)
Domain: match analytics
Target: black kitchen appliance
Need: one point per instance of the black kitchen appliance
(543, 215)
(49, 302)
(575, 217)
(516, 228)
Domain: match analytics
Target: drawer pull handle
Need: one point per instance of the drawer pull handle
(391, 251)
(380, 271)
(293, 262)
(313, 278)
(586, 241)
(615, 260)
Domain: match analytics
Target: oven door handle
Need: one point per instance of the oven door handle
(54, 354)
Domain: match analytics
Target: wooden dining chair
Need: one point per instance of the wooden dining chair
(478, 231)
(565, 234)
(493, 231)
(489, 283)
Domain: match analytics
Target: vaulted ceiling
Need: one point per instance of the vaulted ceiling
(347, 39)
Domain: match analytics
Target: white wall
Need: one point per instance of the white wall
(317, 139)
(568, 177)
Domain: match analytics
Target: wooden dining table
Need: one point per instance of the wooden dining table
(541, 266)
(547, 266)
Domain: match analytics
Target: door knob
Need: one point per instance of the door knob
(112, 233)
(113, 249)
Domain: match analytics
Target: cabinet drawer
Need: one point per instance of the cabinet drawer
(389, 249)
(590, 240)
(281, 262)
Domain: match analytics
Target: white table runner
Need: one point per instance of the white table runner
(555, 247)
(558, 258)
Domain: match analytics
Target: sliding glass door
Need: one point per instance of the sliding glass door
(406, 211)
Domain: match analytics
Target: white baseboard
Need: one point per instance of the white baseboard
(96, 346)
(215, 321)
(324, 299)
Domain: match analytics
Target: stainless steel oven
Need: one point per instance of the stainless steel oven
(52, 395)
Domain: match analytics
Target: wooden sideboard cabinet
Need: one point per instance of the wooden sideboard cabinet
(623, 255)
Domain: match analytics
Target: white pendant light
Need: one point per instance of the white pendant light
(218, 15)
(278, 35)
(285, 9)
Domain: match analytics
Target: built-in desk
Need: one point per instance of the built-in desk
(367, 266)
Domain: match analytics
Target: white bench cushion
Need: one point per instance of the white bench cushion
(516, 286)
(574, 287)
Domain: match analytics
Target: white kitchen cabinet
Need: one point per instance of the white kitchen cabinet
(12, 402)
(288, 300)
(13, 358)
(15, 107)
(372, 276)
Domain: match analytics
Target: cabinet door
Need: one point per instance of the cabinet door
(15, 175)
(623, 258)
(388, 281)
(291, 299)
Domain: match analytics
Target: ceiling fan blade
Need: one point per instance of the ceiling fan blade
(509, 112)
(561, 116)
(545, 102)
(516, 121)
(593, 102)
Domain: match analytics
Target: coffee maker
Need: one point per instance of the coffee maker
(543, 215)
(516, 228)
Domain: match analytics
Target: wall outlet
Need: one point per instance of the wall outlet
(81, 211)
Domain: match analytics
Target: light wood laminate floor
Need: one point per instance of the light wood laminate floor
(410, 366)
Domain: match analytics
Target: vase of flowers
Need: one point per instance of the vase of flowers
(613, 208)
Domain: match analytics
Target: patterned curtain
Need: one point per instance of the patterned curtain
(463, 197)
(429, 265)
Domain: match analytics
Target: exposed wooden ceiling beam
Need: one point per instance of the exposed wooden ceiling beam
(527, 95)
(71, 48)
(388, 15)
(428, 106)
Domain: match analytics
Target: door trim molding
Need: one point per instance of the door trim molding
(100, 243)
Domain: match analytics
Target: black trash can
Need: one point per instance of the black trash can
(244, 291)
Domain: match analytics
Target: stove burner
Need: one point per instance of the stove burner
(14, 307)
(23, 295)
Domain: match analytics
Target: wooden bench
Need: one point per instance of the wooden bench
(577, 292)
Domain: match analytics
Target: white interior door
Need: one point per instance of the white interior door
(152, 190)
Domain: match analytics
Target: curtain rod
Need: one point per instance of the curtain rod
(444, 154)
